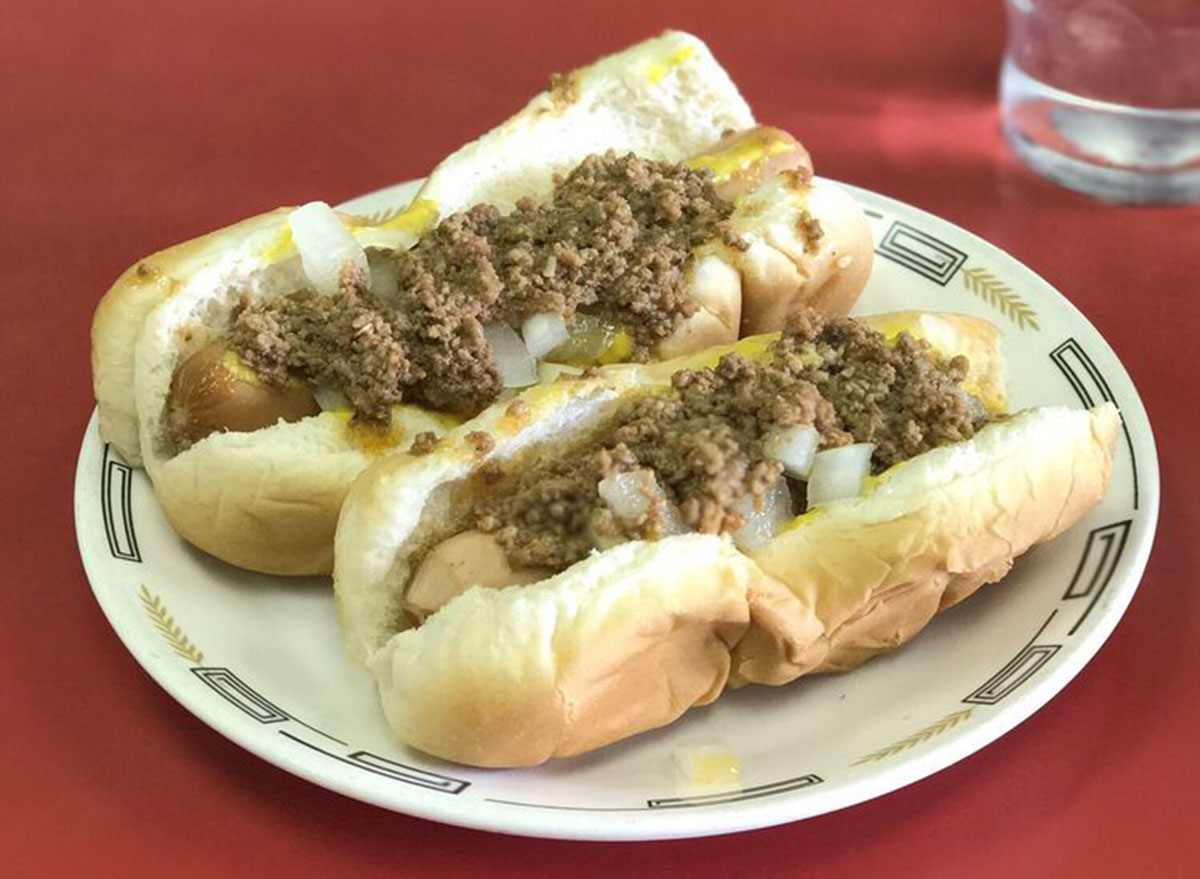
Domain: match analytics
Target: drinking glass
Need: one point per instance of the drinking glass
(1103, 96)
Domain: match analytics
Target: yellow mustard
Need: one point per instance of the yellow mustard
(239, 370)
(655, 72)
(281, 248)
(418, 218)
(741, 155)
(618, 349)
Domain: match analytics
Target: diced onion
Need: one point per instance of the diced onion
(628, 494)
(543, 333)
(839, 473)
(517, 366)
(794, 447)
(326, 247)
(631, 495)
(384, 283)
(764, 523)
(330, 400)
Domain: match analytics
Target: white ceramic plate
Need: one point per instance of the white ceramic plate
(260, 659)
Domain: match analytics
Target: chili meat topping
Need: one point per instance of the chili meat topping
(704, 439)
(612, 242)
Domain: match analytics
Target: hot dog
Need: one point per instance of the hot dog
(652, 535)
(256, 371)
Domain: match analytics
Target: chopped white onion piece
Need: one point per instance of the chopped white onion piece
(839, 473)
(763, 523)
(326, 247)
(631, 495)
(384, 283)
(543, 333)
(329, 399)
(518, 368)
(794, 447)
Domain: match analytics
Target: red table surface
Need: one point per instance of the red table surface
(127, 128)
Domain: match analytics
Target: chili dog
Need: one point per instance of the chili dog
(597, 556)
(256, 371)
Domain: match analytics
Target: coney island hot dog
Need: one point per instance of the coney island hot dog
(596, 556)
(633, 212)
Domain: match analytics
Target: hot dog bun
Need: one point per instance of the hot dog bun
(622, 642)
(519, 675)
(268, 499)
(664, 98)
(378, 535)
(779, 273)
(934, 529)
(119, 317)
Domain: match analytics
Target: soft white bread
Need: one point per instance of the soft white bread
(624, 641)
(629, 638)
(784, 269)
(269, 500)
(781, 265)
(665, 98)
(930, 531)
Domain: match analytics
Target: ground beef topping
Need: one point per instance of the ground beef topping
(423, 443)
(613, 242)
(704, 439)
(898, 396)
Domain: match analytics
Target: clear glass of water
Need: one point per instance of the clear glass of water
(1103, 96)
